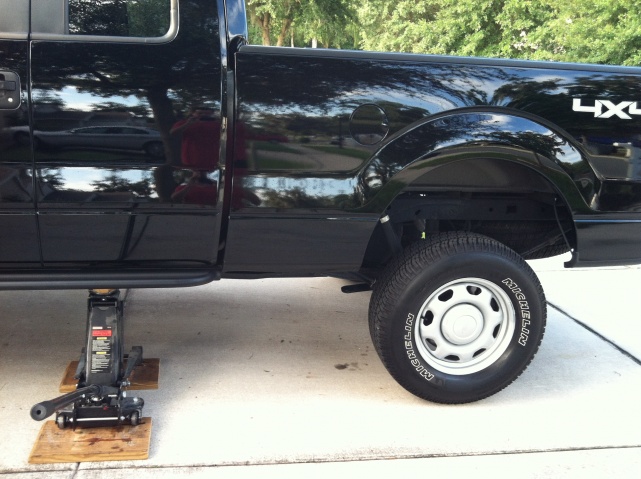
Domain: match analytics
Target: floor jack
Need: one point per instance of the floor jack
(100, 398)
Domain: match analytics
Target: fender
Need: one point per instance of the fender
(466, 134)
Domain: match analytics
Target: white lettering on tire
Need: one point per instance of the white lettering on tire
(409, 349)
(524, 307)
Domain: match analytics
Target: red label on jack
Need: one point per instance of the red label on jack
(101, 332)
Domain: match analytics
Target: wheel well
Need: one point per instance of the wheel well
(528, 215)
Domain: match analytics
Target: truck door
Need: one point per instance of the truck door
(18, 189)
(126, 131)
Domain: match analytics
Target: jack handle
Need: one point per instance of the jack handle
(44, 409)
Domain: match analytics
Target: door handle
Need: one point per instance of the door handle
(8, 85)
(10, 96)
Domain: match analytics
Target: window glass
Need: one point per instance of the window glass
(119, 18)
(14, 18)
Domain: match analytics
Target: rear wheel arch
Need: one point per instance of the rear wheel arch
(497, 133)
(507, 200)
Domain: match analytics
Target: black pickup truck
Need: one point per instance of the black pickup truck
(145, 144)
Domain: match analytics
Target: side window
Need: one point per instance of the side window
(119, 18)
(14, 19)
(147, 21)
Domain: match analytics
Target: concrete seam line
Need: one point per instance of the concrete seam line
(596, 333)
(320, 461)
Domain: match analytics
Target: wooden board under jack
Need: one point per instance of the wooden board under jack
(145, 376)
(119, 443)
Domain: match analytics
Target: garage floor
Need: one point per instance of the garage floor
(278, 378)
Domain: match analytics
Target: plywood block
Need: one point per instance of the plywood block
(119, 443)
(145, 376)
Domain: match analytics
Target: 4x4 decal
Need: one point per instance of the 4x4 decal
(610, 108)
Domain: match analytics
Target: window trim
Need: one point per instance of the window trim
(14, 35)
(171, 34)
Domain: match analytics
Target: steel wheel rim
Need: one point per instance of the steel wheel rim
(465, 326)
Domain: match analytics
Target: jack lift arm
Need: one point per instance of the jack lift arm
(100, 398)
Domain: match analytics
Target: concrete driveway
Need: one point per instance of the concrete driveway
(278, 378)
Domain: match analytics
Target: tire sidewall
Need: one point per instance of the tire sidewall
(526, 297)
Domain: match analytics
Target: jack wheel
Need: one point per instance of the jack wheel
(134, 419)
(61, 422)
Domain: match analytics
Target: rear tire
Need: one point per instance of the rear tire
(457, 317)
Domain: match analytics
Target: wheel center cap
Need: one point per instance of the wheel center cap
(462, 324)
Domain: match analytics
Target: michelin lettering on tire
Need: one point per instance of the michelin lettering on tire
(526, 317)
(409, 347)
